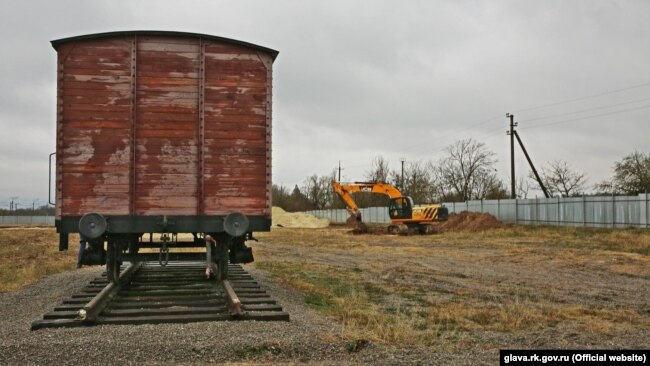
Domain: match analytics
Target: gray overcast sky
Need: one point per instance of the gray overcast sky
(357, 79)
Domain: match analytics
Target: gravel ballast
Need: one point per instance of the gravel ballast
(308, 338)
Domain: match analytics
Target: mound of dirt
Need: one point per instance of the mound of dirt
(470, 221)
(281, 218)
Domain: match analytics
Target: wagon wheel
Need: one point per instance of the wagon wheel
(112, 265)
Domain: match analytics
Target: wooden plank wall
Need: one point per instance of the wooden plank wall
(235, 118)
(94, 147)
(153, 125)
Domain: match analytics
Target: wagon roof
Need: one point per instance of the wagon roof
(57, 42)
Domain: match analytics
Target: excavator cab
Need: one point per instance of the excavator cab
(400, 208)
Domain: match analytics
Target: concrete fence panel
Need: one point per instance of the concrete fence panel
(27, 220)
(591, 211)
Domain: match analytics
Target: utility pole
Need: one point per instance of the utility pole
(339, 170)
(532, 166)
(513, 133)
(402, 176)
(513, 192)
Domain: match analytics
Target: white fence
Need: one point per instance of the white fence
(592, 211)
(378, 215)
(27, 220)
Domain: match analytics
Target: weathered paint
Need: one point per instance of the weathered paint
(163, 124)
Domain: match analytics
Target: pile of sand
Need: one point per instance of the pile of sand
(281, 218)
(470, 221)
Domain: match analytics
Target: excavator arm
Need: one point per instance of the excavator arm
(344, 190)
(371, 187)
(344, 193)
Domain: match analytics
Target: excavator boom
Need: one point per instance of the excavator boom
(344, 190)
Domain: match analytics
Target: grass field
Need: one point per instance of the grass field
(450, 290)
(28, 254)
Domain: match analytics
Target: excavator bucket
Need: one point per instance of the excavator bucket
(357, 225)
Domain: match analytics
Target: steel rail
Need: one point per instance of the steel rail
(96, 305)
(148, 293)
(233, 301)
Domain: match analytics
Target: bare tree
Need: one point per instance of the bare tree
(631, 175)
(490, 187)
(560, 178)
(468, 171)
(280, 196)
(419, 182)
(318, 190)
(522, 187)
(289, 200)
(379, 171)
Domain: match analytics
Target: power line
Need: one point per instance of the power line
(451, 133)
(583, 98)
(587, 117)
(587, 110)
(487, 133)
(491, 131)
(412, 147)
(540, 107)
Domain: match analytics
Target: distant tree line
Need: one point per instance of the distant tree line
(44, 210)
(467, 171)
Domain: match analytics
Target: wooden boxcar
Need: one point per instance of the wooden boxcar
(161, 132)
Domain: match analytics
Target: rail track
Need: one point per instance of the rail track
(149, 293)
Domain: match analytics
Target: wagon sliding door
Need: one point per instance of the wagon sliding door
(166, 125)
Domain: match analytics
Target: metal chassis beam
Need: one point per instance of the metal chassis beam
(158, 224)
(155, 257)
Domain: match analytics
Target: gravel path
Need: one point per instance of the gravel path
(308, 338)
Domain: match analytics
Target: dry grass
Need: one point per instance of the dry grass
(445, 290)
(29, 254)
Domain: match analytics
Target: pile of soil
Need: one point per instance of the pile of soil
(281, 218)
(470, 221)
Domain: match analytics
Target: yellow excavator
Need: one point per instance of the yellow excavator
(406, 219)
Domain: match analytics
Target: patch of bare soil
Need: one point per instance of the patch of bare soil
(470, 221)
(463, 221)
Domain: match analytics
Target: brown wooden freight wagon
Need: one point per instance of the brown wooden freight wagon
(162, 132)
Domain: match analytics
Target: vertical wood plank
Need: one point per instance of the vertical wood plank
(268, 63)
(201, 143)
(134, 116)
